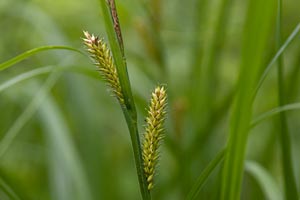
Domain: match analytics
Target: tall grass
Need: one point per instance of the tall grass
(63, 137)
(257, 25)
(285, 138)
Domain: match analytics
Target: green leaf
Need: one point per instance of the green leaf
(29, 111)
(68, 176)
(274, 111)
(8, 190)
(45, 70)
(284, 133)
(257, 26)
(31, 52)
(194, 192)
(280, 51)
(25, 76)
(266, 182)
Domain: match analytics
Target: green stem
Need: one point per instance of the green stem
(8, 190)
(274, 111)
(210, 75)
(286, 146)
(280, 51)
(136, 146)
(258, 21)
(194, 192)
(115, 39)
(118, 56)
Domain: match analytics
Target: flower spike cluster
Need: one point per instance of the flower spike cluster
(102, 57)
(153, 134)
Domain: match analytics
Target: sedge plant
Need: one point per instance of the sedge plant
(102, 57)
(224, 98)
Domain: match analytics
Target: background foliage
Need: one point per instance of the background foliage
(66, 137)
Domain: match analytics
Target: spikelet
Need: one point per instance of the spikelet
(101, 55)
(153, 134)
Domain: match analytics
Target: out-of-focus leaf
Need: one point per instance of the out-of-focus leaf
(264, 179)
(31, 52)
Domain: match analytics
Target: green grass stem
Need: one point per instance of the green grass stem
(285, 138)
(63, 154)
(129, 110)
(25, 76)
(273, 112)
(279, 52)
(194, 192)
(8, 190)
(29, 111)
(257, 24)
(264, 179)
(197, 186)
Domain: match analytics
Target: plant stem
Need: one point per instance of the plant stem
(194, 192)
(256, 30)
(136, 146)
(8, 190)
(118, 55)
(285, 141)
(115, 39)
(280, 51)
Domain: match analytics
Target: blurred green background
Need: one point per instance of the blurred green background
(64, 137)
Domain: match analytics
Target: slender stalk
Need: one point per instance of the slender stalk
(136, 146)
(256, 29)
(285, 140)
(209, 76)
(274, 111)
(194, 192)
(196, 188)
(152, 32)
(280, 51)
(115, 39)
(113, 32)
(265, 180)
(29, 111)
(8, 190)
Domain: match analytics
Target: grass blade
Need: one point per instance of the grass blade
(33, 106)
(256, 29)
(63, 155)
(25, 76)
(250, 167)
(274, 111)
(285, 138)
(264, 180)
(31, 52)
(7, 189)
(194, 192)
(207, 80)
(280, 51)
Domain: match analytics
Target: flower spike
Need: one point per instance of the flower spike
(154, 131)
(101, 55)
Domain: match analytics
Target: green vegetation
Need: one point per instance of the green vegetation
(227, 130)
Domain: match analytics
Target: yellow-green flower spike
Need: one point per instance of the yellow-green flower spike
(153, 134)
(101, 55)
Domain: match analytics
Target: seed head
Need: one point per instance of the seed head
(101, 55)
(153, 134)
